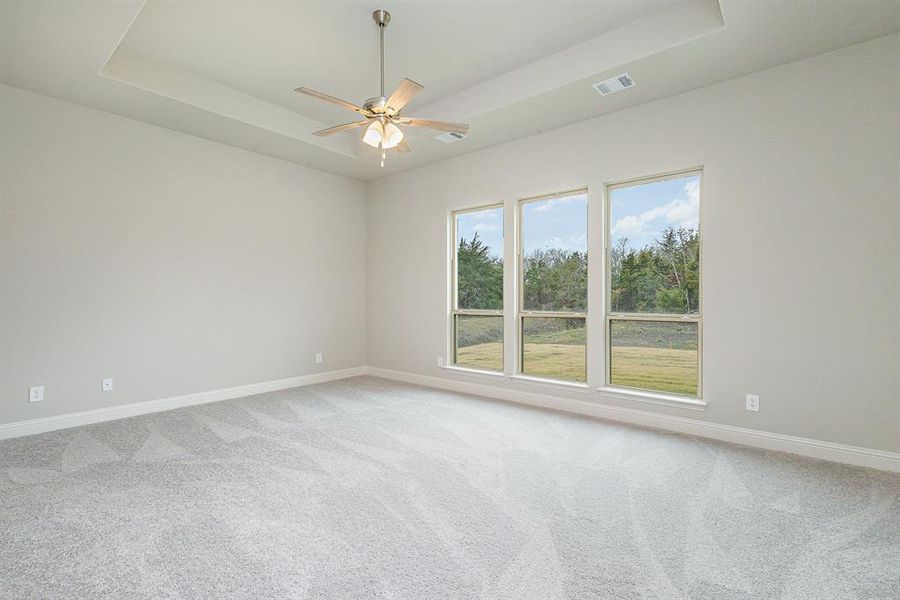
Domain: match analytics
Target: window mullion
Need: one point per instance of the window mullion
(692, 318)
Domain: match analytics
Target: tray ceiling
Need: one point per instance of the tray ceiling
(226, 70)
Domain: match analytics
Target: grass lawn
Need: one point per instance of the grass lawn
(556, 361)
(661, 369)
(481, 356)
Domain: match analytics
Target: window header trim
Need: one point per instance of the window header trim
(554, 195)
(654, 178)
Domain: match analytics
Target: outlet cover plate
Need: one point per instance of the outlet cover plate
(753, 402)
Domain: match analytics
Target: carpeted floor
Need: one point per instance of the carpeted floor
(365, 488)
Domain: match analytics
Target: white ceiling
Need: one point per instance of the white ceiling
(333, 46)
(226, 70)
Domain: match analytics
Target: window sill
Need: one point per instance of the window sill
(556, 383)
(652, 398)
(475, 372)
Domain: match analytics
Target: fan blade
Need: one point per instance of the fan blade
(340, 128)
(332, 99)
(405, 92)
(403, 146)
(436, 125)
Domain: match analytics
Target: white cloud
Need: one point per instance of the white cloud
(680, 212)
(629, 224)
(686, 211)
(684, 214)
(546, 205)
(486, 227)
(572, 242)
(481, 215)
(692, 189)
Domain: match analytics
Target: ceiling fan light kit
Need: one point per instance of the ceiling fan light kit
(382, 114)
(386, 136)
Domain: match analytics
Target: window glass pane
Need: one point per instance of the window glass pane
(660, 356)
(655, 247)
(554, 347)
(479, 259)
(479, 342)
(554, 245)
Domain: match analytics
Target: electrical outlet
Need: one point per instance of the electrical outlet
(753, 402)
(36, 393)
(440, 361)
(106, 385)
(318, 357)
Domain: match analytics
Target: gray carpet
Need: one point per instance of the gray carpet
(365, 488)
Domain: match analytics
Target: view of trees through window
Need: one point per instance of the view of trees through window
(554, 274)
(653, 296)
(654, 268)
(478, 311)
(660, 278)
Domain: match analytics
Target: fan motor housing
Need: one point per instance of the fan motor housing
(377, 105)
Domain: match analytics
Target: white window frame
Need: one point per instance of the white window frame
(610, 316)
(455, 311)
(522, 314)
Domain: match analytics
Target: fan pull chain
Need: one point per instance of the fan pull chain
(382, 157)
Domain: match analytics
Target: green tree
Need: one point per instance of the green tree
(555, 280)
(678, 252)
(663, 277)
(479, 276)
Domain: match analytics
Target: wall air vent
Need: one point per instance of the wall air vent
(450, 137)
(614, 84)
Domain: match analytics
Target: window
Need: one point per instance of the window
(477, 311)
(653, 323)
(553, 286)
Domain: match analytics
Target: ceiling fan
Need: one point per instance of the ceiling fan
(382, 114)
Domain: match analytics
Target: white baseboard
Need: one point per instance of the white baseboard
(852, 455)
(87, 417)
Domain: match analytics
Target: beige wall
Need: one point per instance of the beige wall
(801, 223)
(169, 263)
(177, 265)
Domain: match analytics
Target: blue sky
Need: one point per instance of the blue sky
(488, 224)
(640, 212)
(556, 223)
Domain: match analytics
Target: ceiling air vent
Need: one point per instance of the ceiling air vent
(614, 84)
(450, 137)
